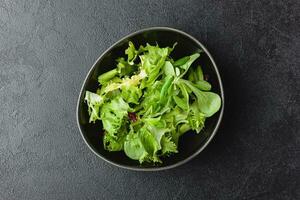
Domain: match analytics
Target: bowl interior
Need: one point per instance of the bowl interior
(190, 142)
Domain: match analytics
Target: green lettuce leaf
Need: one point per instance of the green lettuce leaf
(145, 145)
(113, 143)
(150, 144)
(208, 102)
(181, 61)
(152, 62)
(174, 119)
(157, 127)
(168, 146)
(132, 81)
(186, 65)
(124, 68)
(131, 94)
(181, 97)
(150, 104)
(169, 69)
(141, 146)
(113, 113)
(195, 118)
(196, 77)
(107, 76)
(165, 92)
(195, 74)
(203, 85)
(134, 148)
(131, 53)
(94, 102)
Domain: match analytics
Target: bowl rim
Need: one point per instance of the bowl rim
(154, 168)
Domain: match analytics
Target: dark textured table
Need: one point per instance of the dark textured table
(47, 47)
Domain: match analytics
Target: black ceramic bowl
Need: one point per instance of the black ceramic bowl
(190, 144)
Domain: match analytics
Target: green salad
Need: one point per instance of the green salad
(149, 100)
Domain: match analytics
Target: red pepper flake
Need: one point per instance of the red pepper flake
(132, 116)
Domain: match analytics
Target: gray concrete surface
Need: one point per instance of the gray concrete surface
(47, 47)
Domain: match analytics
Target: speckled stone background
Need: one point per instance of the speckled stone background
(47, 47)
